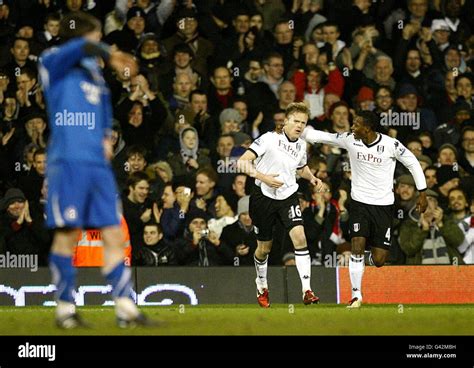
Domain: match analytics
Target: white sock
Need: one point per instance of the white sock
(303, 264)
(356, 271)
(64, 309)
(261, 268)
(125, 308)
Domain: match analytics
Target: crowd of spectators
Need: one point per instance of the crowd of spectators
(215, 75)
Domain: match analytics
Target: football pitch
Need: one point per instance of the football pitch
(325, 319)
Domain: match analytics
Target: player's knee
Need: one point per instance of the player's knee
(358, 246)
(298, 237)
(378, 261)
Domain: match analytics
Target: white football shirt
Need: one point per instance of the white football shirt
(372, 165)
(276, 154)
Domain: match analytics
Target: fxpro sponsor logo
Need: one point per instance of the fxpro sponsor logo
(19, 295)
(9, 260)
(369, 157)
(28, 350)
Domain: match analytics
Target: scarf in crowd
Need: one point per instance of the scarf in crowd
(203, 260)
(434, 249)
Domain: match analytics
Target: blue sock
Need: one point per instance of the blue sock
(64, 276)
(120, 279)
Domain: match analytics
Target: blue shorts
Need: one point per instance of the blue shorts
(81, 196)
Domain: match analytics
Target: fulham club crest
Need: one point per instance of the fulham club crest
(380, 148)
(356, 227)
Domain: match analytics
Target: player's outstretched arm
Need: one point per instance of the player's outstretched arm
(306, 173)
(245, 165)
(314, 136)
(409, 160)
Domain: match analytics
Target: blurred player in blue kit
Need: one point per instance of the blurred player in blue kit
(82, 191)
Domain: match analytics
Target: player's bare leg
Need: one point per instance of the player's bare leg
(64, 277)
(303, 263)
(378, 256)
(356, 271)
(261, 266)
(119, 276)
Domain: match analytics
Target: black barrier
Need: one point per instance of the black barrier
(167, 286)
(323, 283)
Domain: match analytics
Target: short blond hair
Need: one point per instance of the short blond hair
(297, 107)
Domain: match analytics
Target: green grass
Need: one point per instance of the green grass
(251, 320)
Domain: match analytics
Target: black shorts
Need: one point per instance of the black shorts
(265, 211)
(373, 223)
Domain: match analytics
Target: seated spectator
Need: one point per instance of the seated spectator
(405, 198)
(190, 158)
(206, 191)
(135, 162)
(340, 118)
(153, 64)
(20, 52)
(156, 250)
(429, 149)
(161, 171)
(450, 132)
(226, 210)
(22, 230)
(168, 137)
(50, 36)
(199, 246)
(32, 183)
(466, 157)
(286, 94)
(239, 185)
(464, 87)
(425, 161)
(447, 154)
(421, 118)
(175, 206)
(187, 31)
(430, 176)
(183, 57)
(221, 92)
(432, 237)
(240, 236)
(230, 120)
(138, 209)
(318, 84)
(462, 215)
(365, 100)
(332, 217)
(128, 38)
(447, 178)
(182, 87)
(36, 129)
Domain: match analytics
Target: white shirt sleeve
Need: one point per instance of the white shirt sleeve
(304, 161)
(314, 136)
(409, 160)
(259, 146)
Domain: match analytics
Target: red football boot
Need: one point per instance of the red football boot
(310, 298)
(263, 299)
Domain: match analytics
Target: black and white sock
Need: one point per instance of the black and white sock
(303, 264)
